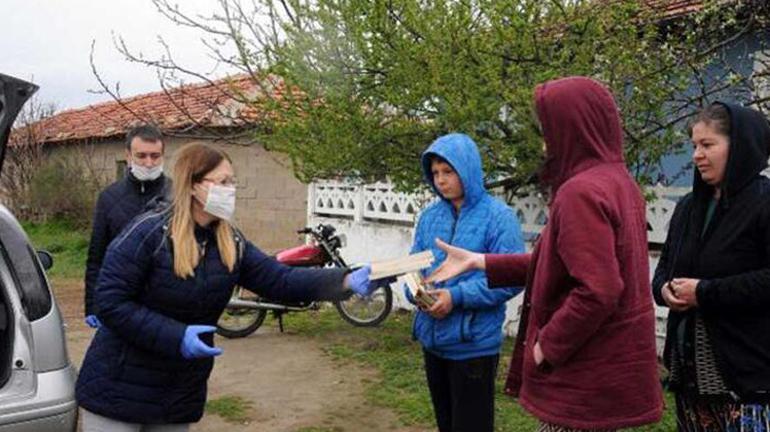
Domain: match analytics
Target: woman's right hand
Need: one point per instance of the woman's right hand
(457, 261)
(674, 303)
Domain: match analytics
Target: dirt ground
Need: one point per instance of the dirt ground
(290, 383)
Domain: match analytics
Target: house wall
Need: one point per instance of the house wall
(271, 203)
(740, 57)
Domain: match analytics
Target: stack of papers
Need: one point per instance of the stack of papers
(419, 290)
(399, 266)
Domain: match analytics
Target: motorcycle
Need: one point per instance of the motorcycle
(246, 311)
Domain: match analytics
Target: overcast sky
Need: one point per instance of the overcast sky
(49, 41)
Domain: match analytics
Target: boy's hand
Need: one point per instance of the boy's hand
(443, 305)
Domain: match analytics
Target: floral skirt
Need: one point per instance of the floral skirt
(548, 427)
(695, 416)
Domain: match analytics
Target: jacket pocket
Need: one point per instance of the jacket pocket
(454, 328)
(544, 368)
(422, 330)
(148, 369)
(468, 330)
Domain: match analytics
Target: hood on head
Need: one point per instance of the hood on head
(581, 126)
(748, 152)
(462, 153)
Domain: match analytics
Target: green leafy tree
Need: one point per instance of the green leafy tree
(368, 84)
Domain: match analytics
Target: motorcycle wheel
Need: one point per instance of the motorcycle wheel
(366, 311)
(238, 322)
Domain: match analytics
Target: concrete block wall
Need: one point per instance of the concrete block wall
(271, 203)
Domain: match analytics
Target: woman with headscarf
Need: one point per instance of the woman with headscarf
(714, 276)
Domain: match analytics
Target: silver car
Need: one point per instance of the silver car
(37, 380)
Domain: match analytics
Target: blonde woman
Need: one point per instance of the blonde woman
(164, 282)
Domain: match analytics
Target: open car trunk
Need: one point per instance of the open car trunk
(13, 94)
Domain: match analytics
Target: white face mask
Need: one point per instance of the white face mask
(220, 202)
(143, 173)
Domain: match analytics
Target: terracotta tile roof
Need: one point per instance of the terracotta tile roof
(229, 102)
(675, 8)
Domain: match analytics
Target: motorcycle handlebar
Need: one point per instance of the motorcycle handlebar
(323, 231)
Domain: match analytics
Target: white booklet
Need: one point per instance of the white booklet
(419, 289)
(399, 266)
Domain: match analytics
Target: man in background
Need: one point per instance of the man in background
(123, 200)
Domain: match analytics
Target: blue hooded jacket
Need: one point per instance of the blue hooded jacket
(483, 224)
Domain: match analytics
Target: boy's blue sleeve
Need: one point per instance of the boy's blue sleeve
(417, 246)
(503, 236)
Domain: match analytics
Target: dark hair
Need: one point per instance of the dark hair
(436, 158)
(146, 132)
(714, 115)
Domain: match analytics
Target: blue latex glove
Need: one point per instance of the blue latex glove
(192, 347)
(358, 281)
(93, 321)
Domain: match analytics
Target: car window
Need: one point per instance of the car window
(38, 302)
(29, 278)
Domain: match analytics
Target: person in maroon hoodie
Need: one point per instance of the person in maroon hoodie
(585, 359)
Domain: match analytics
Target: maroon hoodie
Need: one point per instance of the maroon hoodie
(588, 298)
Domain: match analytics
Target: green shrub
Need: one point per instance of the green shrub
(62, 189)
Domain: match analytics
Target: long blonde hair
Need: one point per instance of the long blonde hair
(193, 162)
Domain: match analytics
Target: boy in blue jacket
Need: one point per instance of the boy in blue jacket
(461, 332)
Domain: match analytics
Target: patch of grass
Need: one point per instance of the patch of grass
(402, 386)
(233, 409)
(67, 244)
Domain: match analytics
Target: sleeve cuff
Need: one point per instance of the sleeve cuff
(408, 294)
(457, 296)
(506, 270)
(701, 291)
(170, 338)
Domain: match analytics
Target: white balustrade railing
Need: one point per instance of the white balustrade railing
(660, 210)
(378, 222)
(334, 199)
(380, 202)
(376, 201)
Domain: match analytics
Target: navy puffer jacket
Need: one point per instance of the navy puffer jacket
(117, 205)
(133, 370)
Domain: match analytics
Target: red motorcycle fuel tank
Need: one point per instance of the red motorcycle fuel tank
(301, 256)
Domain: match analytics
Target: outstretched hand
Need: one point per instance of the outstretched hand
(358, 281)
(457, 261)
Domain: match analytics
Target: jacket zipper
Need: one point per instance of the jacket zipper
(451, 242)
(202, 263)
(454, 226)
